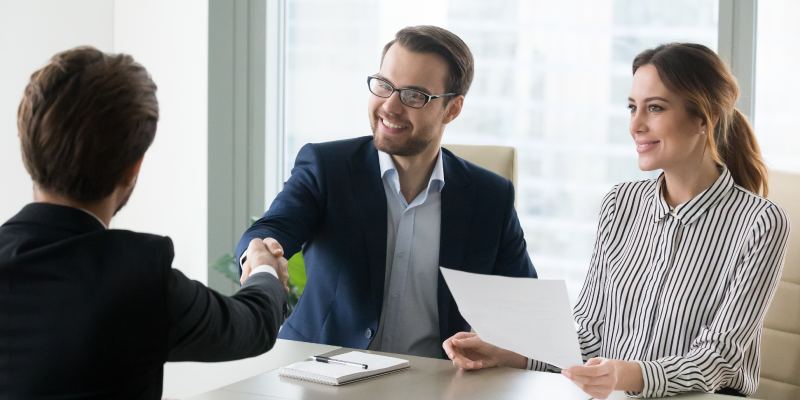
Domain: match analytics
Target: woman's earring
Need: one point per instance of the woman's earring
(704, 132)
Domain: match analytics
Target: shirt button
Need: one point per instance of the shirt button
(401, 254)
(368, 333)
(396, 296)
(388, 338)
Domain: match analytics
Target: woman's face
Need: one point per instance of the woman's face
(666, 135)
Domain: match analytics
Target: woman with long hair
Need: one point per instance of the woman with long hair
(684, 266)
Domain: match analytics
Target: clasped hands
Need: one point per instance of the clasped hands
(266, 252)
(598, 377)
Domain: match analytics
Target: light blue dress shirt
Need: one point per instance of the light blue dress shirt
(410, 316)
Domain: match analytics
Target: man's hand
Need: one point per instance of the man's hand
(283, 264)
(283, 272)
(266, 252)
(468, 351)
(601, 376)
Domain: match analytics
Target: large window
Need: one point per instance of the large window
(778, 83)
(552, 79)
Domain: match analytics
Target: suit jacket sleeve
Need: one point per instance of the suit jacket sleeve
(295, 212)
(512, 253)
(207, 326)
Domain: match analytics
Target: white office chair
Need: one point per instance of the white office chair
(780, 342)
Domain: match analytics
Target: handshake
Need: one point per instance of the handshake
(265, 252)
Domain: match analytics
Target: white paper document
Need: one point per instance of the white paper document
(531, 317)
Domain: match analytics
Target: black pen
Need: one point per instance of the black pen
(335, 361)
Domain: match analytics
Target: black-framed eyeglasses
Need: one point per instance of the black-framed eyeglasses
(410, 97)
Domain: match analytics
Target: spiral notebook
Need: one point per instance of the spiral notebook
(335, 374)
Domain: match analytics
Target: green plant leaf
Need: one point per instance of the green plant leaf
(226, 265)
(297, 271)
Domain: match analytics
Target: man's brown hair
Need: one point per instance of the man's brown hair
(85, 118)
(432, 39)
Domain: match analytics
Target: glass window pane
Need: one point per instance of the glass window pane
(777, 83)
(551, 78)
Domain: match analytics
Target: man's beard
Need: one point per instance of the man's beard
(414, 146)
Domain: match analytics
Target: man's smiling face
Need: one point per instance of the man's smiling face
(401, 130)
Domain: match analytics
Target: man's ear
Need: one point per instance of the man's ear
(453, 109)
(131, 173)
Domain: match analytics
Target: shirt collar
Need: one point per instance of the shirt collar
(95, 217)
(387, 164)
(62, 217)
(693, 209)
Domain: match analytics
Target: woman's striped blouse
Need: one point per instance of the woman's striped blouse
(682, 291)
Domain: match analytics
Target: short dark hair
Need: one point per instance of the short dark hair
(84, 119)
(432, 39)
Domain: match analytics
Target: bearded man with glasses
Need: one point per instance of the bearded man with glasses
(376, 216)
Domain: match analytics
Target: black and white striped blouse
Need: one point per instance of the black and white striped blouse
(682, 291)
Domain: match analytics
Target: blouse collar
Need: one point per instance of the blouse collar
(693, 209)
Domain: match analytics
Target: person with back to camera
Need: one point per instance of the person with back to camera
(684, 266)
(88, 312)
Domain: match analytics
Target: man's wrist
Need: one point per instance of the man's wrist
(265, 268)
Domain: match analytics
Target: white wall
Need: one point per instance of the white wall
(170, 38)
(31, 32)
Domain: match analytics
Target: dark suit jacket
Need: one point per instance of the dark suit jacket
(334, 205)
(91, 313)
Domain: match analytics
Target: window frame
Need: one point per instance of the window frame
(247, 65)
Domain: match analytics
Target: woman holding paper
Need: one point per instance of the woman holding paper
(684, 266)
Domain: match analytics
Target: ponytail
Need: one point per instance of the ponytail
(738, 149)
(697, 74)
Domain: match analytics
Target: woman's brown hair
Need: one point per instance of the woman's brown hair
(699, 76)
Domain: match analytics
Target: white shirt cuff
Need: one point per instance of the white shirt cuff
(264, 268)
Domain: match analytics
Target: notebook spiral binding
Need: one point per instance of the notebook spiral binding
(306, 376)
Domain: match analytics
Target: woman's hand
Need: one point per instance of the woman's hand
(601, 376)
(468, 351)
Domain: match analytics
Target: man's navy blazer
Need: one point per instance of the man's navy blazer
(334, 208)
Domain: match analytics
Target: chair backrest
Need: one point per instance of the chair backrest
(502, 160)
(780, 342)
